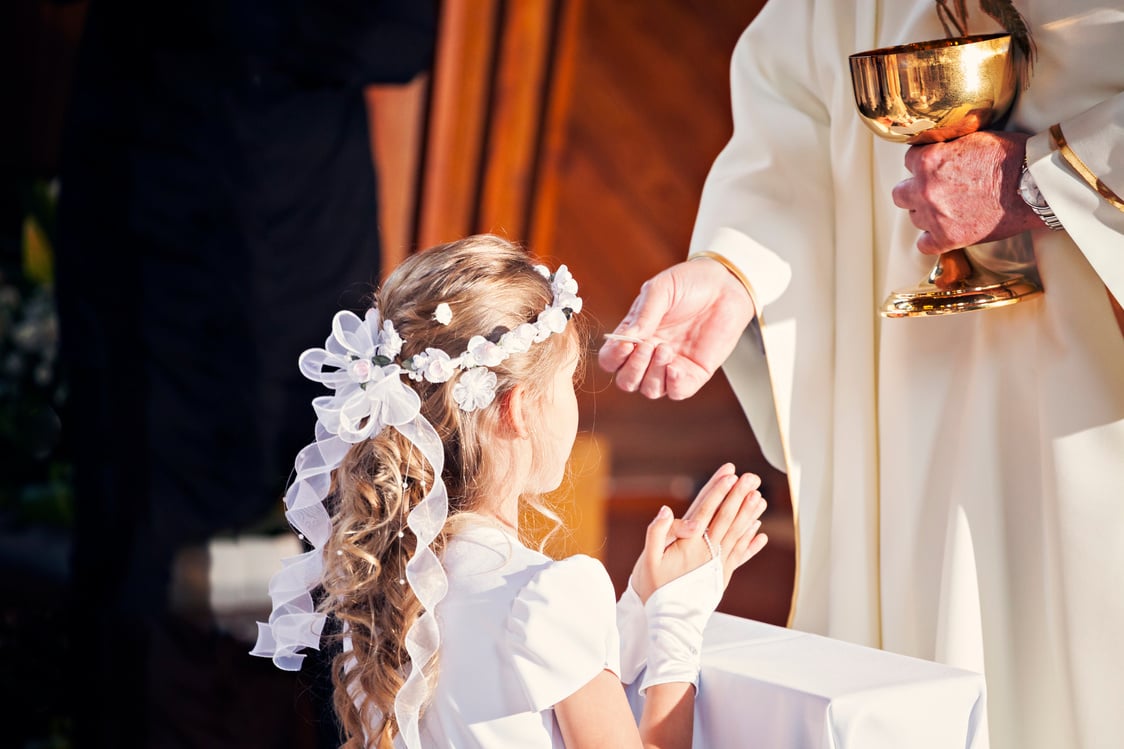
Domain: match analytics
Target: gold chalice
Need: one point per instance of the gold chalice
(930, 92)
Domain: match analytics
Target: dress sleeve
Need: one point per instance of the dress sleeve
(562, 630)
(1088, 205)
(777, 157)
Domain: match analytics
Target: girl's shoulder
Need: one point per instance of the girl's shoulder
(562, 630)
(579, 576)
(483, 548)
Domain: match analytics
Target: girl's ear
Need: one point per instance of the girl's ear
(514, 412)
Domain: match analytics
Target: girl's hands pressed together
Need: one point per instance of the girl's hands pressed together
(728, 508)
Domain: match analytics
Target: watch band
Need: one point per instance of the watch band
(1044, 211)
(1048, 217)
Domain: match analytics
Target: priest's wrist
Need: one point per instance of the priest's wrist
(734, 271)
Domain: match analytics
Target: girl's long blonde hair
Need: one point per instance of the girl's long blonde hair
(492, 287)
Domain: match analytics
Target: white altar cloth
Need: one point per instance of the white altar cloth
(769, 687)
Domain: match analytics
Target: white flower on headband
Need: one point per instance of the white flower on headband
(360, 363)
(483, 352)
(518, 341)
(565, 290)
(435, 365)
(476, 388)
(443, 314)
(390, 343)
(552, 320)
(360, 371)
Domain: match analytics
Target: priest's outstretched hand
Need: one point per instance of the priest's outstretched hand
(684, 323)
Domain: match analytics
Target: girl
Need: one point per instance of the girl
(453, 409)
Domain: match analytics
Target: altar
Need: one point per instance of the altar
(775, 688)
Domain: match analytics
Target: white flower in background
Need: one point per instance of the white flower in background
(443, 314)
(475, 388)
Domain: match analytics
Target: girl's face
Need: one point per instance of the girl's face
(556, 429)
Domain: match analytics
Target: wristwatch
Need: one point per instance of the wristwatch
(1032, 196)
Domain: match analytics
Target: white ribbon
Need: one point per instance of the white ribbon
(367, 399)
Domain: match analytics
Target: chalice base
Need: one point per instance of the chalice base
(981, 290)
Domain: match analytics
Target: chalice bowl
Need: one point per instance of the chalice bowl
(930, 92)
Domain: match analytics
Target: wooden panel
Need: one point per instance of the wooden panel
(457, 119)
(397, 117)
(553, 146)
(516, 112)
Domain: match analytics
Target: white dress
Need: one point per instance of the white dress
(958, 481)
(519, 633)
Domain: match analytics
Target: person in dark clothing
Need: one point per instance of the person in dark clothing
(217, 199)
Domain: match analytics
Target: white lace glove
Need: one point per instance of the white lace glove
(632, 626)
(677, 614)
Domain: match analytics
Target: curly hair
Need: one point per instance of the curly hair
(492, 287)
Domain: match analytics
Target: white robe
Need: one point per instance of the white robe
(958, 481)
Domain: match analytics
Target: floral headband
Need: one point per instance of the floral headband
(360, 363)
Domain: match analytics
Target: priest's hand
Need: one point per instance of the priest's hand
(687, 320)
(965, 191)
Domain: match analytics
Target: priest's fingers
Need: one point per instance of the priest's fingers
(643, 319)
(634, 369)
(615, 352)
(672, 375)
(684, 378)
(653, 385)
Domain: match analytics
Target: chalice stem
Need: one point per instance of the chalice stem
(952, 268)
